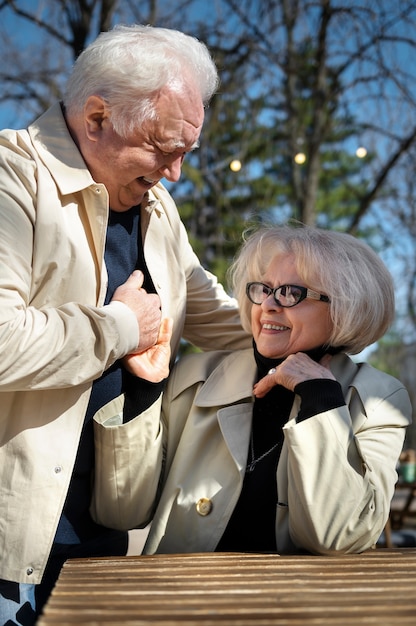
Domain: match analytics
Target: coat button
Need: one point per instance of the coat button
(204, 506)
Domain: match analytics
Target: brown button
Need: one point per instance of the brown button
(204, 506)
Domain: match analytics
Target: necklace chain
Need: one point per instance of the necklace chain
(252, 465)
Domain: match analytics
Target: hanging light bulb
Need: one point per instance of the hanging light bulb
(300, 158)
(235, 165)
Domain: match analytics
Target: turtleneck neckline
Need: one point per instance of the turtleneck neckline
(264, 364)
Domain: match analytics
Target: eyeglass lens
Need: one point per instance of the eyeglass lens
(286, 295)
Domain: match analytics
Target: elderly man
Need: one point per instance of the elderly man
(92, 253)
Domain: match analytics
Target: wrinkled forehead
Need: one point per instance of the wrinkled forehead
(180, 116)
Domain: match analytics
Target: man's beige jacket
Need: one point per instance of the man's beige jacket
(55, 335)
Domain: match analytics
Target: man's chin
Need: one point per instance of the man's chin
(125, 204)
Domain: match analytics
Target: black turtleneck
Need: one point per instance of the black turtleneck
(252, 525)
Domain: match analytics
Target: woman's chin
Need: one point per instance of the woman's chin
(271, 354)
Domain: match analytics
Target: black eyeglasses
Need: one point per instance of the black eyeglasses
(285, 295)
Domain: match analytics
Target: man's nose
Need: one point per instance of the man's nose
(172, 170)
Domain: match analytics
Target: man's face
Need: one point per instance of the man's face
(130, 167)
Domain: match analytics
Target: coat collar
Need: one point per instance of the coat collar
(231, 381)
(57, 150)
(226, 377)
(236, 372)
(351, 375)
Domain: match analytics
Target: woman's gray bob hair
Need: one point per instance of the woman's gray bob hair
(336, 264)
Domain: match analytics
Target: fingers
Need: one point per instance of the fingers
(153, 363)
(326, 360)
(264, 385)
(146, 307)
(135, 280)
(130, 290)
(295, 369)
(165, 331)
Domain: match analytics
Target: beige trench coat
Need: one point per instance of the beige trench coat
(335, 477)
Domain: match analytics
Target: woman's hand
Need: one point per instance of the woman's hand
(294, 370)
(153, 363)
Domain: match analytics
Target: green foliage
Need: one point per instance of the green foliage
(388, 355)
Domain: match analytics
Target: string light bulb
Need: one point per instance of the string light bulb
(235, 165)
(300, 158)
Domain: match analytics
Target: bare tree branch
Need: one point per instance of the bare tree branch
(379, 181)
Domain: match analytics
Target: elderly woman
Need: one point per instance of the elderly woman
(288, 447)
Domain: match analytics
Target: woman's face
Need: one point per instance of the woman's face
(280, 331)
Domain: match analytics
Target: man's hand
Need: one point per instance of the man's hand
(294, 370)
(153, 363)
(146, 307)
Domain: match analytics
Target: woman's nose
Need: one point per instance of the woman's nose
(270, 303)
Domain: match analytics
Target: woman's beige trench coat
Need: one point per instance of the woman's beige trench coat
(335, 476)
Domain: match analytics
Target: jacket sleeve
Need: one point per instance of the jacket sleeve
(51, 334)
(212, 319)
(128, 463)
(341, 467)
(209, 317)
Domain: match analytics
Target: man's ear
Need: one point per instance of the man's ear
(95, 114)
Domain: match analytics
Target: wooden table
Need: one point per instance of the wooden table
(378, 588)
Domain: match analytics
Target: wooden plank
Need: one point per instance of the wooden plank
(377, 587)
